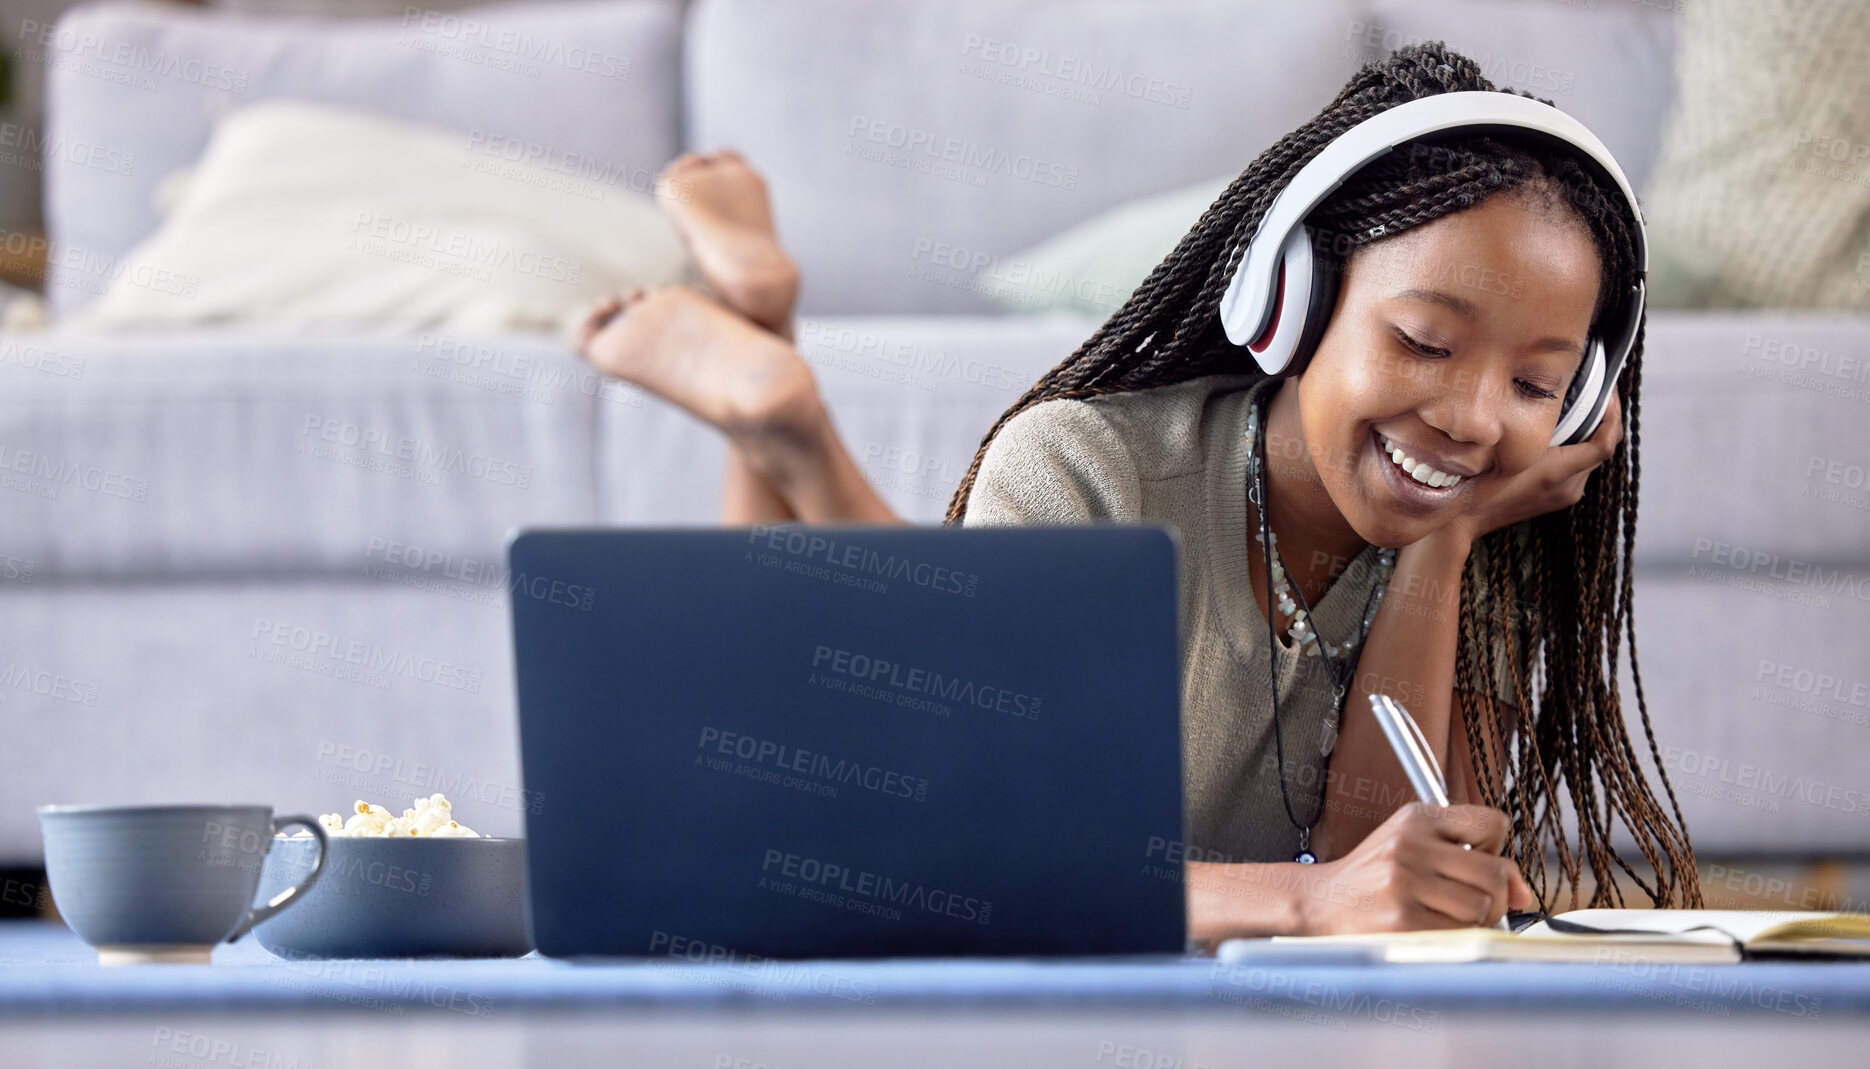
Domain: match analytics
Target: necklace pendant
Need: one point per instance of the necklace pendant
(1305, 855)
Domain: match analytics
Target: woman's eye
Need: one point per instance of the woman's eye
(1425, 350)
(1530, 390)
(1523, 386)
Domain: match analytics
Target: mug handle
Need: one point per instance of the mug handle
(291, 894)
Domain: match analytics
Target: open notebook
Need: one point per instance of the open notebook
(1687, 936)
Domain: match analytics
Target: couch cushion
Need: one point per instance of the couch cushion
(1774, 404)
(246, 452)
(310, 693)
(1609, 65)
(587, 88)
(910, 396)
(407, 457)
(908, 144)
(1095, 266)
(1760, 706)
(1755, 441)
(302, 692)
(239, 451)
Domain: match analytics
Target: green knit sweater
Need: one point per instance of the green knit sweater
(1172, 454)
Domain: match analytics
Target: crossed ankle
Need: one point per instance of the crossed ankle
(780, 411)
(766, 294)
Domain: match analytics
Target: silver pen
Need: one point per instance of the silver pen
(1418, 759)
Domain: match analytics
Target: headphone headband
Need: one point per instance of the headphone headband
(1265, 284)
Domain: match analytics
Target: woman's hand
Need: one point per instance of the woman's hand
(1555, 481)
(1412, 873)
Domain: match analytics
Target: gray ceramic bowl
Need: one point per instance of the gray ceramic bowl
(400, 898)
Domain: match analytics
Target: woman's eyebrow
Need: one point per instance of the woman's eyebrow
(1467, 310)
(1462, 308)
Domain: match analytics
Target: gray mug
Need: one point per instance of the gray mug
(164, 883)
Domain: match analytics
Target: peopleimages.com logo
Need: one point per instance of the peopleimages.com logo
(824, 557)
(790, 873)
(770, 755)
(124, 60)
(924, 681)
(949, 156)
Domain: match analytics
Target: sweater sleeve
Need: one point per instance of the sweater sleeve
(1058, 462)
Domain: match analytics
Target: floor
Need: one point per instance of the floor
(774, 1039)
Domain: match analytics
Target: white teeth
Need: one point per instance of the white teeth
(1417, 469)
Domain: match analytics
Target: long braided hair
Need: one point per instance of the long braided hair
(1554, 591)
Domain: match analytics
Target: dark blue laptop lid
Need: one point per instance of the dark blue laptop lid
(800, 741)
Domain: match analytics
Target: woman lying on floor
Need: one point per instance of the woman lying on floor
(1409, 456)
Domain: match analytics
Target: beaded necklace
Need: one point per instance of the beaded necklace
(1302, 630)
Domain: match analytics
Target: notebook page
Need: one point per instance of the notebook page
(1746, 925)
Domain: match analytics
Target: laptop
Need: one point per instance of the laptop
(861, 741)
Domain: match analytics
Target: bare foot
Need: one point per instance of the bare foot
(720, 208)
(695, 352)
(688, 349)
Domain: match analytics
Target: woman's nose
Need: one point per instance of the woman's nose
(1469, 408)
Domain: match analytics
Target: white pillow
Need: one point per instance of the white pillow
(302, 213)
(1096, 265)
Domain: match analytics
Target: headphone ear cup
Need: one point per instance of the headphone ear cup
(1295, 281)
(1327, 272)
(1586, 392)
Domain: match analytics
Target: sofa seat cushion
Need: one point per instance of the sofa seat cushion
(231, 451)
(236, 451)
(911, 397)
(1755, 438)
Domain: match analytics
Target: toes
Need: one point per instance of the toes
(685, 161)
(580, 334)
(603, 312)
(596, 319)
(731, 158)
(685, 164)
(670, 188)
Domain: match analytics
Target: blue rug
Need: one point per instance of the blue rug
(46, 969)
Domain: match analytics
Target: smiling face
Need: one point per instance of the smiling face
(1452, 342)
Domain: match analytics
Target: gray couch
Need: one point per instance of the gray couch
(240, 564)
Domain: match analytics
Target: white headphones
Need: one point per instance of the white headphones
(1282, 294)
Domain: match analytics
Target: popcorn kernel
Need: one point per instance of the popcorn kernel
(428, 817)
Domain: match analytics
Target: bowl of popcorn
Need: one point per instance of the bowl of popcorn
(419, 885)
